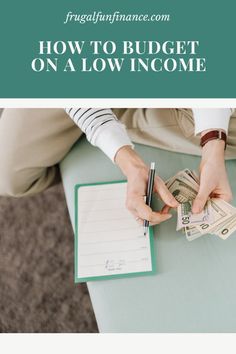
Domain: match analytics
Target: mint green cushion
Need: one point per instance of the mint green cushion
(194, 289)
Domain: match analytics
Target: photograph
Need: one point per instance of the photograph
(117, 220)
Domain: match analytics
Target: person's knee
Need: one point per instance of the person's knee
(9, 186)
(11, 181)
(18, 180)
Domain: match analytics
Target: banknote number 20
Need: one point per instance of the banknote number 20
(185, 220)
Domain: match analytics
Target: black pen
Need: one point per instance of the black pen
(150, 185)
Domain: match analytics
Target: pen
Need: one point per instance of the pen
(150, 185)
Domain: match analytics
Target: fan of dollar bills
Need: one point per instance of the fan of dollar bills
(217, 218)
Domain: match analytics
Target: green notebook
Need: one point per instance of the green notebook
(109, 243)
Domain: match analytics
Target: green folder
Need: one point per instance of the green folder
(106, 244)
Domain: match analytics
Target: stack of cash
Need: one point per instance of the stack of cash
(217, 218)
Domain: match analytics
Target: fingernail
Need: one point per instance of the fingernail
(196, 210)
(169, 216)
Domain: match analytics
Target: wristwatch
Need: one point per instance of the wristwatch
(212, 135)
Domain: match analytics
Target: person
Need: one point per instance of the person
(37, 140)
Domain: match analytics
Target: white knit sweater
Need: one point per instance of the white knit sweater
(103, 129)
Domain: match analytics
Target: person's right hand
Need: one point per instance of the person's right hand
(137, 176)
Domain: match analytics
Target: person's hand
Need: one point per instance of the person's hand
(213, 176)
(137, 176)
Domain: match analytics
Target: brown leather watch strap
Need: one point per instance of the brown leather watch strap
(212, 135)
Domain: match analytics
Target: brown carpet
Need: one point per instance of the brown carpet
(37, 292)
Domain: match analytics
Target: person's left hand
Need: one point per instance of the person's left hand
(213, 175)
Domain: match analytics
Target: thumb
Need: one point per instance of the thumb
(200, 201)
(165, 194)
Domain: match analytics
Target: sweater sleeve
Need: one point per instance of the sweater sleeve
(211, 119)
(102, 128)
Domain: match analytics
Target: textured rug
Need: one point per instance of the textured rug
(37, 292)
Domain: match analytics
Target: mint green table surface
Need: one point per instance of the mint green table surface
(194, 289)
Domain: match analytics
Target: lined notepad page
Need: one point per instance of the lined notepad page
(110, 241)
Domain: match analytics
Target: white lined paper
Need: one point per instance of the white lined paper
(109, 240)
